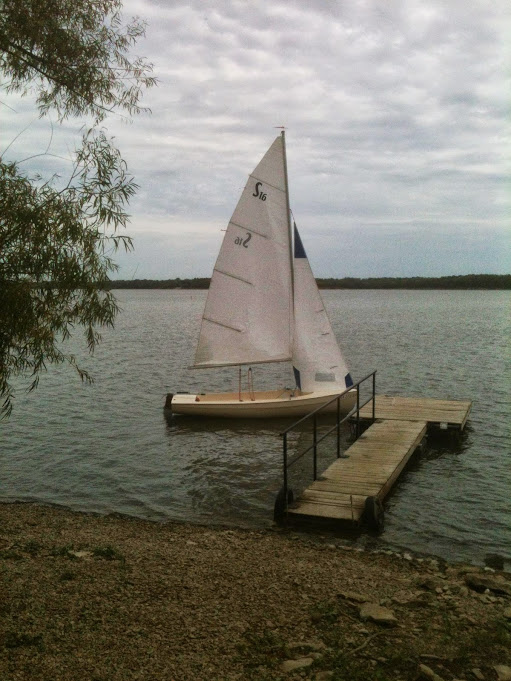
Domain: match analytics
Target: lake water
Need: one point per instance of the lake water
(107, 447)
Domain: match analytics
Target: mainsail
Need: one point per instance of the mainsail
(318, 363)
(248, 314)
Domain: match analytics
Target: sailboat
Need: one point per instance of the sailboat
(263, 306)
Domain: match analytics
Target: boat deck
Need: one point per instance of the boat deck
(445, 414)
(374, 463)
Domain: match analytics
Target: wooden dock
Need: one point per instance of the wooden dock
(444, 414)
(374, 463)
(354, 486)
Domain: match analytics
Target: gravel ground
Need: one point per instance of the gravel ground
(106, 598)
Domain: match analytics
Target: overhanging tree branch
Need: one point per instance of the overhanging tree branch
(54, 242)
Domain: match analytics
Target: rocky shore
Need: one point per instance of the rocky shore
(109, 598)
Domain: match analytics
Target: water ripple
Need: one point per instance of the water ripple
(106, 447)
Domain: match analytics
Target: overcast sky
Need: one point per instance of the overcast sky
(397, 119)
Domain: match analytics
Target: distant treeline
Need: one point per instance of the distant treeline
(200, 282)
(466, 281)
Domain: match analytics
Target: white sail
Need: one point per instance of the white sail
(317, 360)
(248, 314)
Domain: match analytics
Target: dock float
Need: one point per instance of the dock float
(374, 462)
(444, 414)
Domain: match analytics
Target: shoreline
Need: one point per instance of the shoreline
(116, 597)
(316, 532)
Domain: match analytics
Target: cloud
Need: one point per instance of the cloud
(397, 123)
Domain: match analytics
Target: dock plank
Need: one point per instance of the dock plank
(374, 463)
(451, 412)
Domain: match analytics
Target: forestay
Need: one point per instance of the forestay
(248, 314)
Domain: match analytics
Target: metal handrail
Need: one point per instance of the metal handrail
(315, 441)
(326, 404)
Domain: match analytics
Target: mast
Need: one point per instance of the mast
(290, 232)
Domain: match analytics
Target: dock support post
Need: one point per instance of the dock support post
(338, 427)
(357, 427)
(285, 494)
(285, 468)
(374, 396)
(315, 447)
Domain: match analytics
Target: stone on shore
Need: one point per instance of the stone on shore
(427, 673)
(352, 596)
(377, 613)
(293, 665)
(503, 672)
(480, 583)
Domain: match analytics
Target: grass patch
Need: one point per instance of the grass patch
(14, 639)
(10, 554)
(32, 547)
(62, 552)
(261, 653)
(355, 656)
(67, 576)
(487, 646)
(107, 553)
(325, 612)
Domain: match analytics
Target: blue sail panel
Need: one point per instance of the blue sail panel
(299, 249)
(297, 378)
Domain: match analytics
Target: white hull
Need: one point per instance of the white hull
(270, 404)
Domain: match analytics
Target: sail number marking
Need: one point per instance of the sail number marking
(240, 241)
(258, 193)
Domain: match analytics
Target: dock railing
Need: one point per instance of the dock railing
(285, 495)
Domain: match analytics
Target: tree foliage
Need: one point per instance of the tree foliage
(74, 54)
(56, 236)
